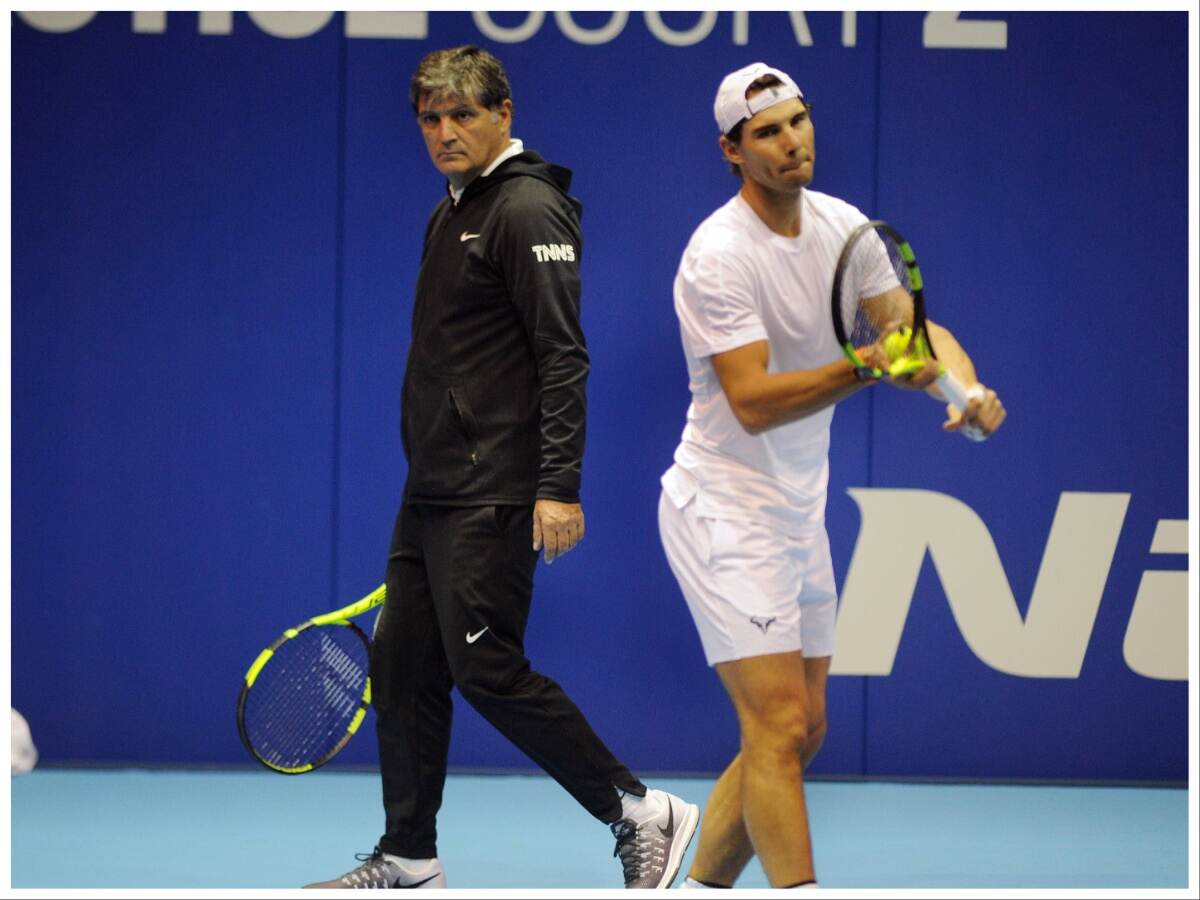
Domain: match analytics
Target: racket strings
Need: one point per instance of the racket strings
(876, 266)
(306, 696)
(302, 717)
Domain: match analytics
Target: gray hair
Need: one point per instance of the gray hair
(465, 72)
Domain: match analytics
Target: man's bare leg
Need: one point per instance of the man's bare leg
(725, 848)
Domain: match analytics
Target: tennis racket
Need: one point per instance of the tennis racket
(867, 307)
(306, 694)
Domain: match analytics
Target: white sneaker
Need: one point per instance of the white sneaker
(377, 871)
(652, 851)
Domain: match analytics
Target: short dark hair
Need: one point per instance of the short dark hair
(467, 72)
(734, 134)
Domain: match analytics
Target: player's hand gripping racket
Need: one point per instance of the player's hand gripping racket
(868, 308)
(306, 694)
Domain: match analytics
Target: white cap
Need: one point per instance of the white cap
(732, 106)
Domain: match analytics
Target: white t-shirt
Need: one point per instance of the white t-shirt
(739, 282)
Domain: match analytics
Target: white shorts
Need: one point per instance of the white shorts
(751, 590)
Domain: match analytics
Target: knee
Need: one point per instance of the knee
(399, 680)
(817, 727)
(484, 684)
(478, 687)
(780, 732)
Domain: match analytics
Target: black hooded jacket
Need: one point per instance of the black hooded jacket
(494, 404)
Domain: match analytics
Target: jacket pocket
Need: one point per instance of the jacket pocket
(466, 421)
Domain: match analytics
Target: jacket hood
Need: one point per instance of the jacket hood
(527, 164)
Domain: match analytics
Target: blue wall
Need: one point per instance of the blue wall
(215, 235)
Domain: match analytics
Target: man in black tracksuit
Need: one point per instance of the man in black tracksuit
(493, 415)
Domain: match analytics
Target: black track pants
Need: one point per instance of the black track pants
(459, 581)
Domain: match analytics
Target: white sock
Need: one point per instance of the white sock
(640, 809)
(803, 887)
(690, 882)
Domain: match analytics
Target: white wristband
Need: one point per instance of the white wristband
(974, 432)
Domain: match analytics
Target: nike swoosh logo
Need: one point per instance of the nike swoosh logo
(416, 884)
(466, 236)
(472, 638)
(669, 831)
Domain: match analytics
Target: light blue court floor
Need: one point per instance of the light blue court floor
(76, 828)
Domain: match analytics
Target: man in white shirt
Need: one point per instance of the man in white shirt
(742, 513)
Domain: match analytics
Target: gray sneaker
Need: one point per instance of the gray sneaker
(652, 852)
(377, 871)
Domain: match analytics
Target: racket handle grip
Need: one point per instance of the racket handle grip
(953, 390)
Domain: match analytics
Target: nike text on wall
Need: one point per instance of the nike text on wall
(899, 527)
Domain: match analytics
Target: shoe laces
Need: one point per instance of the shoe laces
(372, 873)
(632, 848)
